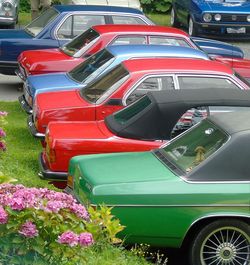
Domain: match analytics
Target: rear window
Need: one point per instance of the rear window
(38, 24)
(99, 90)
(195, 146)
(92, 66)
(126, 114)
(81, 43)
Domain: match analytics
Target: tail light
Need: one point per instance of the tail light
(70, 181)
(50, 152)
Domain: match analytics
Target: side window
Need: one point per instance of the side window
(151, 84)
(125, 40)
(160, 40)
(200, 82)
(77, 24)
(127, 20)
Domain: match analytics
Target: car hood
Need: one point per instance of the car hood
(214, 47)
(75, 130)
(14, 34)
(51, 82)
(227, 6)
(121, 168)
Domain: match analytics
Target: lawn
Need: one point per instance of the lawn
(20, 160)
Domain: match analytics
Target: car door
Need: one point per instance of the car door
(76, 24)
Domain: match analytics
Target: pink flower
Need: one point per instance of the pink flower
(3, 113)
(69, 238)
(28, 229)
(2, 133)
(86, 239)
(2, 146)
(17, 204)
(54, 206)
(80, 211)
(3, 216)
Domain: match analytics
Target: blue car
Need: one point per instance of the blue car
(58, 25)
(223, 18)
(97, 65)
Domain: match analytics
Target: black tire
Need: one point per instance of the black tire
(227, 241)
(192, 28)
(11, 26)
(173, 18)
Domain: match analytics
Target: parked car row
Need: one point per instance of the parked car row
(134, 90)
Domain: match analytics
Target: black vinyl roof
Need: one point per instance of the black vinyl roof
(164, 108)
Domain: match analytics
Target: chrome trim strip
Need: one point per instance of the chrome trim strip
(178, 205)
(223, 25)
(215, 182)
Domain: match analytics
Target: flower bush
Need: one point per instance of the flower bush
(41, 226)
(3, 114)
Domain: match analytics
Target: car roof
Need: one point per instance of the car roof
(71, 8)
(177, 65)
(138, 29)
(164, 108)
(232, 122)
(169, 50)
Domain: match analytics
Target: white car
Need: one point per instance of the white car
(9, 13)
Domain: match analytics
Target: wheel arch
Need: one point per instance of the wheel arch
(205, 220)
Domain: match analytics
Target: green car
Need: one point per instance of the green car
(194, 190)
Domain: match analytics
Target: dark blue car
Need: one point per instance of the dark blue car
(58, 25)
(223, 18)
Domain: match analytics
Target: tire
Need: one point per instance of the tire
(225, 241)
(173, 18)
(11, 26)
(192, 28)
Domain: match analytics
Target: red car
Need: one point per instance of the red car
(124, 84)
(144, 125)
(96, 38)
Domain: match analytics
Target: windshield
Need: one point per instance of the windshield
(38, 24)
(190, 149)
(100, 89)
(81, 43)
(91, 68)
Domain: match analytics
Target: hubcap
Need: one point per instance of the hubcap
(190, 27)
(172, 18)
(226, 246)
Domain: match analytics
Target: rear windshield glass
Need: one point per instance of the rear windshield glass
(81, 43)
(92, 66)
(38, 24)
(99, 90)
(126, 114)
(195, 146)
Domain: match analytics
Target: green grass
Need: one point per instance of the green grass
(160, 19)
(24, 18)
(20, 160)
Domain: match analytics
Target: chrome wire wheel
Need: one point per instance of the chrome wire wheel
(191, 27)
(172, 17)
(226, 246)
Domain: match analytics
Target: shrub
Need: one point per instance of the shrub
(41, 226)
(160, 6)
